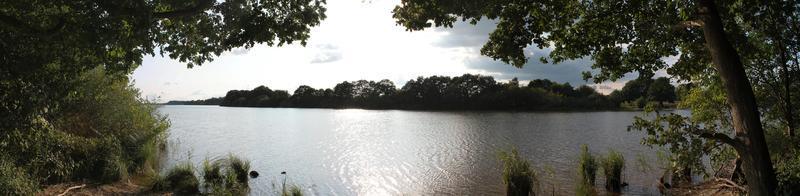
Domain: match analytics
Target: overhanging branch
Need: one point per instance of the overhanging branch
(198, 8)
(722, 138)
(688, 24)
(16, 24)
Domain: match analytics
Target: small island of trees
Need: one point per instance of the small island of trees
(466, 92)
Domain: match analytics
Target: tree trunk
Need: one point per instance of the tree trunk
(756, 163)
(787, 82)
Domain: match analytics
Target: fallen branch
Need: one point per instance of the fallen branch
(730, 184)
(71, 188)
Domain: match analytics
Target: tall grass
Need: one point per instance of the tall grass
(238, 168)
(518, 176)
(180, 179)
(294, 190)
(587, 171)
(228, 176)
(613, 165)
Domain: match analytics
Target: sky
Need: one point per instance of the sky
(358, 40)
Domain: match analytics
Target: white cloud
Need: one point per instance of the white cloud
(358, 40)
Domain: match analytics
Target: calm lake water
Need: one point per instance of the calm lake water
(392, 152)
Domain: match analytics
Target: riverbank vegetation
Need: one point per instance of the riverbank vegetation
(587, 172)
(67, 109)
(228, 176)
(740, 57)
(101, 132)
(518, 175)
(466, 92)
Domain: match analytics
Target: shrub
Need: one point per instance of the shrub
(14, 180)
(212, 173)
(227, 176)
(613, 165)
(518, 175)
(587, 170)
(239, 168)
(100, 131)
(180, 179)
(294, 190)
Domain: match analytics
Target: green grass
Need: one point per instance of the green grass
(220, 177)
(180, 179)
(239, 168)
(518, 176)
(212, 173)
(587, 171)
(613, 166)
(294, 190)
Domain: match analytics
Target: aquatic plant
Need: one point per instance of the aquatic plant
(587, 170)
(518, 176)
(180, 179)
(613, 165)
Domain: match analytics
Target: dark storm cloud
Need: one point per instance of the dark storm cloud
(472, 37)
(568, 71)
(464, 34)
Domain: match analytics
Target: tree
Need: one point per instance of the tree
(46, 44)
(628, 36)
(661, 90)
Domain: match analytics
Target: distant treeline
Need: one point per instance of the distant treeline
(466, 92)
(210, 101)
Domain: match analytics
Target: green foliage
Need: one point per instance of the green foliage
(587, 171)
(227, 176)
(14, 180)
(64, 67)
(587, 166)
(468, 91)
(103, 132)
(635, 36)
(661, 91)
(212, 173)
(294, 190)
(239, 169)
(179, 179)
(519, 177)
(613, 166)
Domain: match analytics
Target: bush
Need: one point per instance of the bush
(613, 165)
(587, 171)
(239, 168)
(518, 175)
(212, 173)
(101, 131)
(226, 176)
(294, 190)
(180, 179)
(14, 180)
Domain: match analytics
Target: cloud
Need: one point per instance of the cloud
(170, 83)
(464, 34)
(326, 53)
(470, 38)
(568, 71)
(240, 51)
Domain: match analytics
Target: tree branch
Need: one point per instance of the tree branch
(199, 7)
(722, 138)
(689, 24)
(18, 25)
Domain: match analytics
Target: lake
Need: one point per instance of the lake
(393, 152)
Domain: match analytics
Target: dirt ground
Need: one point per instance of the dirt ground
(711, 187)
(86, 189)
